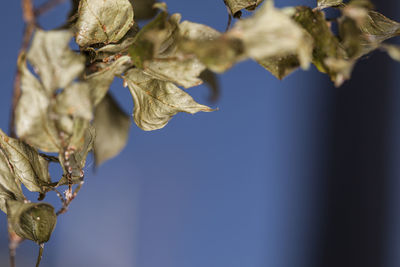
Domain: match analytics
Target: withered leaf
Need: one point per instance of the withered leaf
(392, 50)
(33, 221)
(28, 166)
(329, 3)
(100, 81)
(327, 47)
(102, 21)
(211, 80)
(173, 64)
(270, 32)
(112, 129)
(111, 52)
(10, 186)
(152, 38)
(55, 63)
(144, 9)
(280, 67)
(31, 115)
(80, 145)
(75, 101)
(157, 101)
(236, 5)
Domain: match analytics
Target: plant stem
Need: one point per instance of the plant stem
(30, 24)
(39, 259)
(13, 243)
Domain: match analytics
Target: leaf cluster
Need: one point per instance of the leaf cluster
(66, 111)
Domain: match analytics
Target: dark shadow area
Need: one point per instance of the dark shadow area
(353, 214)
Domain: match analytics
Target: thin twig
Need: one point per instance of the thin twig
(228, 25)
(39, 258)
(50, 158)
(68, 199)
(14, 241)
(47, 7)
(30, 24)
(60, 196)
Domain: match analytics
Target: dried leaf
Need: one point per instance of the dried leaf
(111, 52)
(392, 50)
(150, 39)
(27, 165)
(376, 29)
(55, 63)
(157, 101)
(75, 101)
(270, 32)
(33, 221)
(31, 114)
(211, 79)
(329, 3)
(280, 67)
(102, 21)
(144, 9)
(10, 186)
(217, 55)
(326, 44)
(236, 5)
(80, 145)
(174, 65)
(112, 129)
(100, 81)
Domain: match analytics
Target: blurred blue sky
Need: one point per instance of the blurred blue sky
(239, 187)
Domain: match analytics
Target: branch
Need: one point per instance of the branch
(40, 255)
(68, 198)
(30, 24)
(14, 241)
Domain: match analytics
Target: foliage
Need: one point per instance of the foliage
(65, 107)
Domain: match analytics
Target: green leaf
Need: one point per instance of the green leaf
(102, 21)
(236, 5)
(53, 60)
(329, 3)
(112, 129)
(31, 114)
(157, 101)
(10, 187)
(144, 9)
(33, 221)
(27, 165)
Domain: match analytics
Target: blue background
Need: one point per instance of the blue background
(241, 187)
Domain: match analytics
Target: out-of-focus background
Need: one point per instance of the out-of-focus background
(292, 173)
